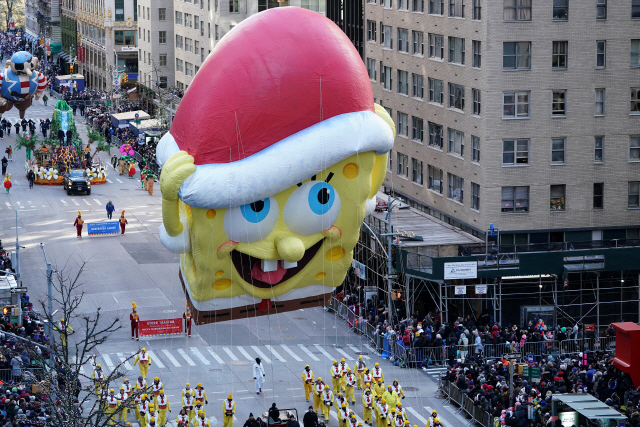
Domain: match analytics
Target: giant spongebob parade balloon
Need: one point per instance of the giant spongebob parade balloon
(20, 82)
(273, 156)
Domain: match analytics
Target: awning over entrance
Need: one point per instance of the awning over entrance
(589, 406)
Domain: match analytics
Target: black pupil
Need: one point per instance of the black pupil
(257, 206)
(323, 196)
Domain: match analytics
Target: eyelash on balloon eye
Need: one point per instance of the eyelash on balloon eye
(313, 178)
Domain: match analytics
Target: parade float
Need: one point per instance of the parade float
(52, 158)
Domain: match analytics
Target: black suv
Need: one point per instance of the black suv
(77, 180)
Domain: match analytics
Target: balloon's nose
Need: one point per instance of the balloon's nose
(290, 248)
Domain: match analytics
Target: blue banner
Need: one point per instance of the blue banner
(98, 228)
(64, 120)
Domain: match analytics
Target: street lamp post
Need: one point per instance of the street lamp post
(49, 325)
(389, 235)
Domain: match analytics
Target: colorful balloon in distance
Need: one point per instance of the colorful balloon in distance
(272, 162)
(20, 83)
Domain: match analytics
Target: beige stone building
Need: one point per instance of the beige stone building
(517, 113)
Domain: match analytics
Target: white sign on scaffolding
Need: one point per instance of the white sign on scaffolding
(461, 270)
(481, 289)
(461, 290)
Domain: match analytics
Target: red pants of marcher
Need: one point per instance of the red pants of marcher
(134, 329)
(122, 226)
(187, 327)
(79, 230)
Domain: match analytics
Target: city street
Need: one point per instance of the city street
(137, 268)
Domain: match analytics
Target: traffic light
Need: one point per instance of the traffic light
(6, 310)
(9, 310)
(71, 68)
(125, 78)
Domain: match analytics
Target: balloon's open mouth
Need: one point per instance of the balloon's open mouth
(266, 274)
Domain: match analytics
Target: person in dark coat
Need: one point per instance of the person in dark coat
(310, 418)
(5, 162)
(31, 176)
(17, 126)
(292, 422)
(251, 422)
(69, 136)
(24, 125)
(61, 136)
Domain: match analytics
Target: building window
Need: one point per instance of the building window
(315, 5)
(178, 18)
(634, 148)
(634, 194)
(403, 82)
(456, 142)
(635, 53)
(559, 55)
(516, 10)
(456, 96)
(475, 95)
(179, 41)
(234, 6)
(417, 129)
(475, 148)
(515, 105)
(558, 150)
(162, 59)
(600, 95)
(436, 46)
(436, 91)
(435, 135)
(124, 38)
(403, 5)
(418, 43)
(560, 10)
(635, 100)
(477, 10)
(476, 46)
(635, 9)
(515, 199)
(403, 40)
(515, 152)
(163, 82)
(403, 124)
(196, 22)
(385, 37)
(455, 189)
(119, 9)
(371, 31)
(387, 3)
(436, 7)
(598, 152)
(179, 65)
(475, 196)
(416, 171)
(559, 103)
(601, 54)
(187, 20)
(162, 37)
(417, 86)
(390, 161)
(456, 50)
(403, 165)
(598, 195)
(516, 55)
(418, 6)
(601, 9)
(385, 77)
(557, 197)
(371, 69)
(162, 14)
(456, 8)
(216, 30)
(435, 176)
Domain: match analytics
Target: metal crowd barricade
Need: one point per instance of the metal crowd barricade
(455, 395)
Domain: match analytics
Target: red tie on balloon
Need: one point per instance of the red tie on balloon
(264, 305)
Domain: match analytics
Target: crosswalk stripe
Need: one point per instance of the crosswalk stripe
(64, 202)
(76, 202)
(118, 180)
(109, 181)
(324, 352)
(87, 202)
(171, 358)
(97, 201)
(126, 363)
(108, 361)
(311, 355)
(199, 355)
(355, 349)
(371, 349)
(244, 353)
(8, 204)
(290, 352)
(415, 413)
(261, 354)
(215, 355)
(186, 357)
(231, 355)
(346, 356)
(276, 354)
(213, 420)
(156, 360)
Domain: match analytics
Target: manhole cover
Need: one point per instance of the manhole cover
(220, 370)
(411, 388)
(364, 353)
(299, 318)
(238, 362)
(287, 336)
(278, 328)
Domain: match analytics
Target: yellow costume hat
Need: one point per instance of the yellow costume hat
(230, 397)
(122, 212)
(133, 304)
(79, 213)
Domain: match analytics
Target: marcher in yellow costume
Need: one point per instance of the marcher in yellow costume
(112, 405)
(350, 385)
(163, 407)
(98, 379)
(318, 389)
(368, 403)
(359, 369)
(336, 377)
(122, 405)
(307, 381)
(327, 402)
(228, 409)
(144, 361)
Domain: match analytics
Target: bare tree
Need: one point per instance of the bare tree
(8, 9)
(91, 331)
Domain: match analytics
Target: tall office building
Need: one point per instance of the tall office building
(516, 113)
(155, 43)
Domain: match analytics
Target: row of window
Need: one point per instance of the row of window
(512, 10)
(515, 55)
(186, 67)
(162, 13)
(162, 58)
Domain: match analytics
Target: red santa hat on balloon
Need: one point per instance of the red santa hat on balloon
(283, 96)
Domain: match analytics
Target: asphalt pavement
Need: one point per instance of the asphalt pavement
(136, 267)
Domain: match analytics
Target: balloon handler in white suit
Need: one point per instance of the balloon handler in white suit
(258, 375)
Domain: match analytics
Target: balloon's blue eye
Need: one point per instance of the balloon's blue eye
(257, 211)
(321, 198)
